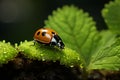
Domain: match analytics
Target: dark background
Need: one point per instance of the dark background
(19, 19)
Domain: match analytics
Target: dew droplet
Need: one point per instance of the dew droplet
(21, 42)
(3, 41)
(4, 52)
(41, 55)
(16, 44)
(78, 58)
(43, 59)
(71, 66)
(9, 43)
(25, 41)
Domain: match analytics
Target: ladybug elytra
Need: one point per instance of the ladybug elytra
(49, 37)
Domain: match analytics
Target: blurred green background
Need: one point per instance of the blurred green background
(19, 19)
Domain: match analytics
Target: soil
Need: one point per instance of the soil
(25, 69)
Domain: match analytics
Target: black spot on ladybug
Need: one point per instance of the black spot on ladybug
(38, 33)
(53, 32)
(43, 33)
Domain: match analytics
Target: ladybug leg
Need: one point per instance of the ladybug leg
(53, 44)
(61, 44)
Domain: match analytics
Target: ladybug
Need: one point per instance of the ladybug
(49, 37)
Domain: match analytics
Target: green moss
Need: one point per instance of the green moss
(7, 52)
(38, 51)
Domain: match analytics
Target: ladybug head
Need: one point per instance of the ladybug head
(57, 41)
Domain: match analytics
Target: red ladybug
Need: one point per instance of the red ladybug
(49, 37)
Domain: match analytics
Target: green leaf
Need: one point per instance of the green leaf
(107, 56)
(7, 52)
(98, 50)
(76, 28)
(38, 51)
(111, 14)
